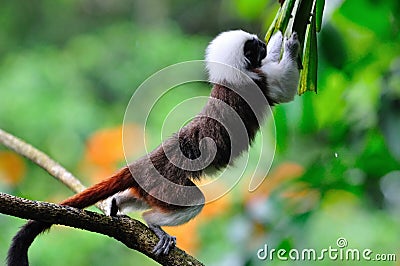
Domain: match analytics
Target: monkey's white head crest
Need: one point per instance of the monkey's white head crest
(225, 56)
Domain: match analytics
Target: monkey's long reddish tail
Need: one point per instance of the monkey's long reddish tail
(18, 252)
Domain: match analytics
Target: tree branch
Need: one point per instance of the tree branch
(130, 232)
(42, 160)
(45, 162)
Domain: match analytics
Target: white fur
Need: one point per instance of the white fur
(274, 48)
(282, 75)
(172, 218)
(226, 63)
(225, 55)
(126, 202)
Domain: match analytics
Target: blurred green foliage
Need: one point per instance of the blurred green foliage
(68, 69)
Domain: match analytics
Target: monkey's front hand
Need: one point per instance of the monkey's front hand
(282, 73)
(292, 46)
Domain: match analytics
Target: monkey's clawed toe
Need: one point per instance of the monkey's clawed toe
(165, 242)
(164, 245)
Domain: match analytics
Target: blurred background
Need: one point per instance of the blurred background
(69, 68)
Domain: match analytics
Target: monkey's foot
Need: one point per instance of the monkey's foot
(166, 242)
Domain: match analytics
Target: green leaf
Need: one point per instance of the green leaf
(284, 15)
(281, 19)
(302, 19)
(272, 27)
(319, 10)
(308, 76)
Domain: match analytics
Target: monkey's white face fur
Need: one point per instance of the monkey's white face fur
(225, 52)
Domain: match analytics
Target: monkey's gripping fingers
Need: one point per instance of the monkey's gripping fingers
(274, 47)
(110, 206)
(292, 47)
(166, 242)
(113, 207)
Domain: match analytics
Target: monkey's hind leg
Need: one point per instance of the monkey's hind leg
(157, 217)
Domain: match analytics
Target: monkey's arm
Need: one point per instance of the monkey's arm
(282, 73)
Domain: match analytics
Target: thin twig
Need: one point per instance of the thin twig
(130, 232)
(45, 162)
